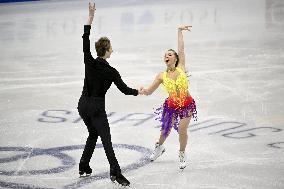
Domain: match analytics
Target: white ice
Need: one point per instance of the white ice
(235, 59)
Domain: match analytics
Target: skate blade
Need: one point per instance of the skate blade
(114, 181)
(120, 185)
(84, 175)
(182, 168)
(158, 156)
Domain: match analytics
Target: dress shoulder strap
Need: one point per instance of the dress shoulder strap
(179, 70)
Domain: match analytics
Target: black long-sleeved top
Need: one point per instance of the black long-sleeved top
(99, 75)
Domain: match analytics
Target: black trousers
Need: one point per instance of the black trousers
(92, 111)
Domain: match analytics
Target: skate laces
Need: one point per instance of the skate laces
(157, 145)
(182, 156)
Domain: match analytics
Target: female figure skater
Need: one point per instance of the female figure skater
(179, 107)
(99, 76)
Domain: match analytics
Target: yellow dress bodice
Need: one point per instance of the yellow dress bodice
(176, 88)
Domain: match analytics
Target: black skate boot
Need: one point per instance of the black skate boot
(84, 170)
(119, 178)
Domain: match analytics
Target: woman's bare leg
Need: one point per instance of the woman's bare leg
(162, 139)
(182, 130)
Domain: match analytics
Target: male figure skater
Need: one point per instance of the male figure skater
(99, 76)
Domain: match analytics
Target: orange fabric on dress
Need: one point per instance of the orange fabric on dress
(177, 89)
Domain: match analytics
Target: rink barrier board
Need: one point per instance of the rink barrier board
(15, 1)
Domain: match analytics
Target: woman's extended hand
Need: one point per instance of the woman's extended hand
(186, 27)
(141, 91)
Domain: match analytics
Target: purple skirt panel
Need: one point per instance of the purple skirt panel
(170, 117)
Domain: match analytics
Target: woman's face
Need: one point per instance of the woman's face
(170, 58)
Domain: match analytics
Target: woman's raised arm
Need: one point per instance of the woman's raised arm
(181, 53)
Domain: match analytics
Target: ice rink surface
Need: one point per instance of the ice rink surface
(235, 59)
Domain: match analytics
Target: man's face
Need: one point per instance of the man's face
(108, 53)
